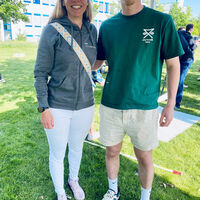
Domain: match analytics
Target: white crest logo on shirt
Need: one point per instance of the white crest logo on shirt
(148, 35)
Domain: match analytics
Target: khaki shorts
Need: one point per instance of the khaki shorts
(140, 125)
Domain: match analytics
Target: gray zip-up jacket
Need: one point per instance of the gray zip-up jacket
(60, 79)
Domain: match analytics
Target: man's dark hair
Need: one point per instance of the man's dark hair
(189, 26)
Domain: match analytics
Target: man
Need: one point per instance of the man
(185, 46)
(186, 60)
(135, 43)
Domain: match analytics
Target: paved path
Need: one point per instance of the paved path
(180, 123)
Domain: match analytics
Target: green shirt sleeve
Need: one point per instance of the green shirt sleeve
(100, 48)
(171, 45)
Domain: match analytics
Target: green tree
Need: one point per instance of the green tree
(181, 17)
(95, 8)
(159, 7)
(147, 2)
(196, 22)
(115, 8)
(12, 10)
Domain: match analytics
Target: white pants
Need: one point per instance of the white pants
(69, 127)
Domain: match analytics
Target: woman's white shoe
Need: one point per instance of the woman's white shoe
(76, 189)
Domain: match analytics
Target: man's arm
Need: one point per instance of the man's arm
(97, 64)
(173, 75)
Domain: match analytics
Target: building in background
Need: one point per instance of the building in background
(180, 3)
(1, 31)
(38, 12)
(169, 3)
(104, 11)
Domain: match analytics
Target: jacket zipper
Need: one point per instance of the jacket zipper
(78, 93)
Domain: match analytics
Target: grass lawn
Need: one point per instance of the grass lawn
(24, 173)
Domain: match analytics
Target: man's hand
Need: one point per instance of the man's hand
(166, 115)
(173, 74)
(47, 119)
(98, 64)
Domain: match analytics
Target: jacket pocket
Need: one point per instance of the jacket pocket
(64, 92)
(56, 83)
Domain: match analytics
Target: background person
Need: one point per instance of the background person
(184, 43)
(66, 101)
(129, 102)
(186, 60)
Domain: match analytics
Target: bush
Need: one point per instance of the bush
(21, 37)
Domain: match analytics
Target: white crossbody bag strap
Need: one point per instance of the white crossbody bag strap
(81, 55)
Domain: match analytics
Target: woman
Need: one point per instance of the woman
(64, 90)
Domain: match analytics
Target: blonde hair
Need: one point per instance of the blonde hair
(61, 11)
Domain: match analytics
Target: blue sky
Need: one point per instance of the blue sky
(195, 4)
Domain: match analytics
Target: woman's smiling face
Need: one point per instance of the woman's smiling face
(75, 8)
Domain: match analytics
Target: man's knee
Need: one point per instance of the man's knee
(144, 157)
(113, 151)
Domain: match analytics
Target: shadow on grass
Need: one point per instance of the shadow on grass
(24, 170)
(93, 172)
(191, 96)
(19, 79)
(195, 66)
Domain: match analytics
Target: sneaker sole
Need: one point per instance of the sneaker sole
(118, 198)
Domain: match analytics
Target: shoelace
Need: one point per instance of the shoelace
(110, 194)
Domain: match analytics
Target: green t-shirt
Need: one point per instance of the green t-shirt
(135, 48)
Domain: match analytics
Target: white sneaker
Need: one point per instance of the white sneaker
(93, 136)
(111, 195)
(176, 108)
(76, 189)
(185, 86)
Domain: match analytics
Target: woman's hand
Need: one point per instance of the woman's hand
(47, 119)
